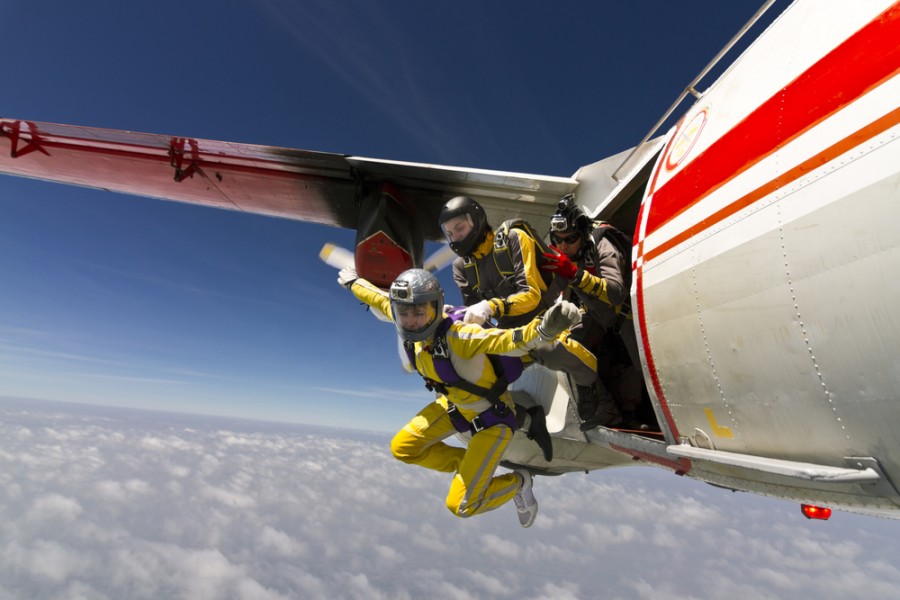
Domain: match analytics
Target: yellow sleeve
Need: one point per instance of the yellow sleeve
(372, 295)
(528, 279)
(608, 282)
(467, 340)
(593, 286)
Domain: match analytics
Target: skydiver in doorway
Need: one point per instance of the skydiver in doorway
(589, 258)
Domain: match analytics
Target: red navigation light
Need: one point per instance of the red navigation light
(815, 512)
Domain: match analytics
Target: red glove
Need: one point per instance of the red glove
(560, 264)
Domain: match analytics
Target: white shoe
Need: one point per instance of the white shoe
(526, 505)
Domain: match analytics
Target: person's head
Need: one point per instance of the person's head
(464, 224)
(417, 304)
(570, 227)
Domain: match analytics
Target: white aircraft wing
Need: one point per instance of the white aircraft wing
(295, 184)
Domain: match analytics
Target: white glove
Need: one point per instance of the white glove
(479, 313)
(557, 319)
(346, 277)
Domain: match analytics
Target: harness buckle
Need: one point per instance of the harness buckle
(439, 348)
(477, 424)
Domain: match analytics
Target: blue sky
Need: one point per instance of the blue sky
(126, 301)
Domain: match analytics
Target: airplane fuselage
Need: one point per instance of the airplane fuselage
(765, 261)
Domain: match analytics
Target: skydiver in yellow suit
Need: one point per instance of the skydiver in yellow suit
(499, 275)
(415, 303)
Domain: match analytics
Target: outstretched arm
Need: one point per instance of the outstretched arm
(367, 293)
(468, 340)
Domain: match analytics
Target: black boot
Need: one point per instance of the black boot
(596, 408)
(586, 401)
(537, 431)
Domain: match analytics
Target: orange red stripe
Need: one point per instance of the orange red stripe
(865, 60)
(835, 150)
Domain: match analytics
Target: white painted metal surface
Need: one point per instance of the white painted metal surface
(768, 295)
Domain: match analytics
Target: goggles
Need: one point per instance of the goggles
(568, 239)
(459, 226)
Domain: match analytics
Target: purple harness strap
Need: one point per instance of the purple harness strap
(498, 414)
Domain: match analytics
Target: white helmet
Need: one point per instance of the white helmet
(417, 304)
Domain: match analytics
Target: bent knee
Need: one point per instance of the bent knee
(403, 447)
(459, 510)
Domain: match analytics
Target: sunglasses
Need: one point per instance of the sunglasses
(569, 239)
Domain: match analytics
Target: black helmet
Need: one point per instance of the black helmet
(463, 206)
(417, 304)
(569, 217)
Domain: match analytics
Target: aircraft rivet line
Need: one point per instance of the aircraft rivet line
(804, 333)
(709, 357)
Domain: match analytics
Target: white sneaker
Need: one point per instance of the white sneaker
(526, 505)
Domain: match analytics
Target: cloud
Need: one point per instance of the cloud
(378, 393)
(53, 507)
(117, 504)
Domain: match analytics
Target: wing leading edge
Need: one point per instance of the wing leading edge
(304, 185)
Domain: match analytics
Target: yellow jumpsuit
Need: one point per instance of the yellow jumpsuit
(474, 489)
(518, 299)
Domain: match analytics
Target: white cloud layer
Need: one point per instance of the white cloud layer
(103, 503)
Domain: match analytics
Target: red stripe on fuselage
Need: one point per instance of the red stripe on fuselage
(648, 356)
(866, 59)
(848, 143)
(680, 465)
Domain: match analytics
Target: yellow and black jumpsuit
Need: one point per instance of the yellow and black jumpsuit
(474, 489)
(517, 299)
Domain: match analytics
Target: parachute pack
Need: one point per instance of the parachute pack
(622, 243)
(503, 256)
